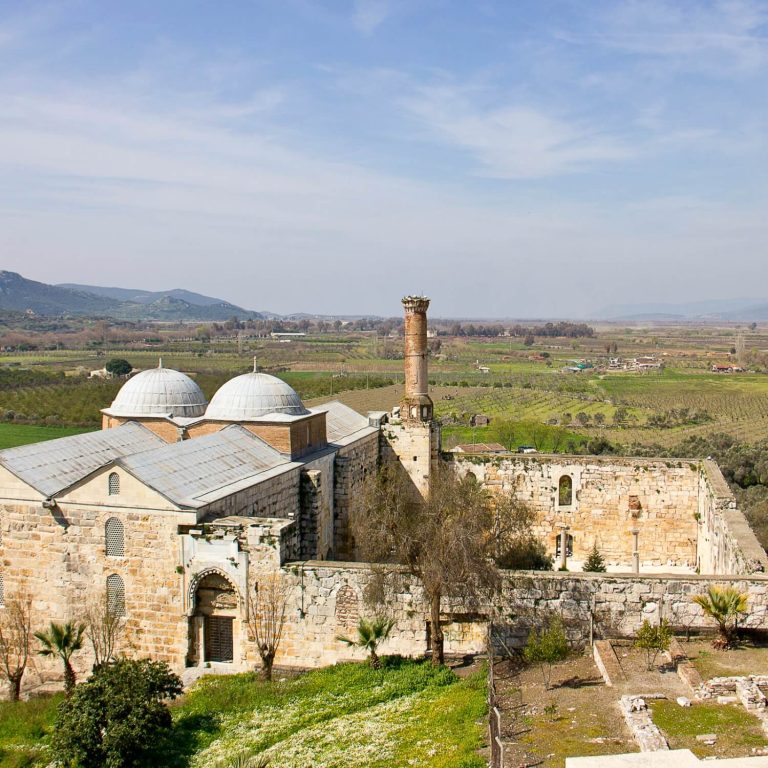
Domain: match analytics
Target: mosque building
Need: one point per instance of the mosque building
(177, 507)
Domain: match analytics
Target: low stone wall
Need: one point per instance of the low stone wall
(329, 597)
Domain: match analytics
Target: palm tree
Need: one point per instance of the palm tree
(370, 633)
(63, 640)
(724, 605)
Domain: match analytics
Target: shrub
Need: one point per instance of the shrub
(724, 605)
(653, 639)
(547, 648)
(114, 719)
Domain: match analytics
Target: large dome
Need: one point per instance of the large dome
(253, 395)
(159, 392)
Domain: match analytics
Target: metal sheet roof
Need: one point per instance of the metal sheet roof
(54, 465)
(342, 422)
(186, 472)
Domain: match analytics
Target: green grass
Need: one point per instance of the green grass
(12, 435)
(24, 731)
(345, 716)
(737, 730)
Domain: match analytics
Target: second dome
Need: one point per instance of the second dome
(252, 396)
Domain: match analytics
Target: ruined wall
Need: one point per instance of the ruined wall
(58, 557)
(328, 597)
(610, 498)
(354, 463)
(726, 542)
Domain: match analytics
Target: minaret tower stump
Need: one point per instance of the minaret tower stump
(412, 438)
(416, 404)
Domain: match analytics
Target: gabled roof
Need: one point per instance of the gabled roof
(196, 472)
(343, 424)
(51, 466)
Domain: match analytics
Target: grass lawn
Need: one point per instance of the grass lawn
(737, 730)
(24, 730)
(346, 716)
(12, 435)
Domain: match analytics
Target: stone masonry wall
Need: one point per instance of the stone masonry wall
(326, 595)
(415, 446)
(277, 496)
(58, 557)
(726, 542)
(609, 499)
(353, 464)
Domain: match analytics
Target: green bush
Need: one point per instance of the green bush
(653, 639)
(114, 719)
(547, 648)
(595, 562)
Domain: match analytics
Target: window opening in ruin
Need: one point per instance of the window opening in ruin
(565, 491)
(114, 483)
(114, 535)
(218, 638)
(568, 546)
(115, 595)
(2, 591)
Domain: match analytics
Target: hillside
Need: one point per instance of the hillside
(18, 294)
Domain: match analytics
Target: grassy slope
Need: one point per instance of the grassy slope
(12, 435)
(346, 716)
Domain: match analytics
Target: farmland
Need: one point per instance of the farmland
(530, 389)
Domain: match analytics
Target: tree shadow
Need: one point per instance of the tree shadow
(579, 682)
(178, 746)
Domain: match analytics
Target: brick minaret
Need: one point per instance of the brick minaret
(416, 404)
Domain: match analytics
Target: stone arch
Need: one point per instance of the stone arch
(565, 491)
(215, 622)
(347, 608)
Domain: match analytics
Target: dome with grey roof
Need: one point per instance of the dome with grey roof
(159, 392)
(252, 396)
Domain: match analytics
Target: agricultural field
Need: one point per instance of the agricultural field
(345, 716)
(526, 387)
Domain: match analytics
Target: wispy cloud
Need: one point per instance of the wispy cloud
(367, 15)
(514, 141)
(724, 35)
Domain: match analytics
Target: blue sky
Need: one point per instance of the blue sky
(521, 159)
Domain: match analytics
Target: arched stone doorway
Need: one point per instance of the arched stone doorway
(214, 626)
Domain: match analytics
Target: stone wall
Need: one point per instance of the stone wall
(58, 558)
(683, 510)
(726, 542)
(415, 446)
(326, 595)
(354, 463)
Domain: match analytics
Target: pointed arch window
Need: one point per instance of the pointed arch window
(115, 595)
(114, 536)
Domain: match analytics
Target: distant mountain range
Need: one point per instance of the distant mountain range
(728, 310)
(22, 295)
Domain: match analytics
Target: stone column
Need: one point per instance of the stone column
(635, 550)
(563, 546)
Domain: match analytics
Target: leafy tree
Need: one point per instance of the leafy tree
(529, 341)
(114, 719)
(599, 418)
(583, 418)
(370, 634)
(595, 562)
(118, 367)
(443, 540)
(15, 641)
(653, 639)
(266, 619)
(63, 640)
(724, 605)
(547, 648)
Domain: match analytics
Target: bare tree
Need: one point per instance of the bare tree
(105, 629)
(266, 618)
(444, 541)
(15, 641)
